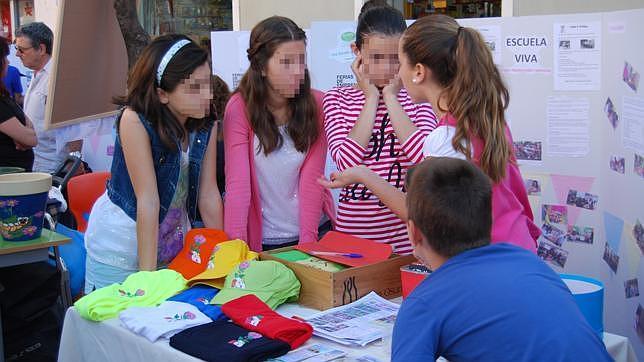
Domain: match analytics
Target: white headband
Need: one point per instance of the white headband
(168, 56)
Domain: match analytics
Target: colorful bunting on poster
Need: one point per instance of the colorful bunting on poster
(562, 185)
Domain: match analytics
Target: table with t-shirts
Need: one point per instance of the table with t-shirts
(162, 314)
(84, 340)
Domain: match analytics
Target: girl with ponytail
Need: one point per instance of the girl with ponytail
(451, 67)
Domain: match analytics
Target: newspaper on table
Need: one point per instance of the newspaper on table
(312, 353)
(366, 320)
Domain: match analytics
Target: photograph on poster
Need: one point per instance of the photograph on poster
(554, 214)
(638, 165)
(631, 77)
(582, 199)
(638, 234)
(639, 322)
(553, 234)
(533, 187)
(527, 150)
(631, 288)
(564, 44)
(579, 234)
(618, 164)
(611, 258)
(611, 114)
(587, 43)
(552, 254)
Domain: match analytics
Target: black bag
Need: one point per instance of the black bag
(32, 316)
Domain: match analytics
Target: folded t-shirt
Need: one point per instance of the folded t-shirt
(225, 341)
(200, 296)
(164, 321)
(141, 289)
(253, 314)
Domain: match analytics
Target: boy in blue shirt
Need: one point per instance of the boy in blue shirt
(482, 302)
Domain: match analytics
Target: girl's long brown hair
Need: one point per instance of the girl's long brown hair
(303, 126)
(473, 89)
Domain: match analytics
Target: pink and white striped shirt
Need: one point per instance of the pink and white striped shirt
(361, 213)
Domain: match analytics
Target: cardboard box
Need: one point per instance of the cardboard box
(323, 290)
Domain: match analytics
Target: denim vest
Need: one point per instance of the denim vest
(166, 169)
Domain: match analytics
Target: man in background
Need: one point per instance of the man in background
(33, 44)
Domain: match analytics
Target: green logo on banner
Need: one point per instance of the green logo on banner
(348, 36)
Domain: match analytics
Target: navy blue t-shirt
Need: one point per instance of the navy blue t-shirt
(494, 303)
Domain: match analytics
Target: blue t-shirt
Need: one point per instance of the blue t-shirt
(200, 296)
(494, 303)
(12, 81)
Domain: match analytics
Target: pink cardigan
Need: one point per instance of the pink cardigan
(512, 220)
(242, 204)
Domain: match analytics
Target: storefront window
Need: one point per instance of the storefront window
(414, 9)
(195, 18)
(5, 11)
(26, 12)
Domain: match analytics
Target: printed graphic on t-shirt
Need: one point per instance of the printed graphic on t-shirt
(241, 341)
(138, 293)
(254, 320)
(179, 317)
(238, 280)
(383, 142)
(211, 261)
(203, 300)
(194, 248)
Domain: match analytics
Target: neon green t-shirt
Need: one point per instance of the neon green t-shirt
(141, 289)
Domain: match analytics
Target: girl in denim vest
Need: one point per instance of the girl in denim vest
(164, 165)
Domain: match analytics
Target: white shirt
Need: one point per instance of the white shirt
(46, 158)
(110, 237)
(439, 143)
(278, 178)
(164, 321)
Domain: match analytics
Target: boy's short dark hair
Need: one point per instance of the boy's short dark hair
(450, 201)
(38, 33)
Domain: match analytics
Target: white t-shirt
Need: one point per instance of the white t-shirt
(164, 321)
(439, 143)
(278, 178)
(110, 237)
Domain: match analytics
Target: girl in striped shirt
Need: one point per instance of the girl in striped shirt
(377, 125)
(451, 67)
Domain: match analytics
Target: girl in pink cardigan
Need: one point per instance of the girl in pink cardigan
(275, 149)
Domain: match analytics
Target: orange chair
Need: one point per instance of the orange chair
(82, 192)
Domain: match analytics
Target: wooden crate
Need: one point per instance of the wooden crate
(323, 290)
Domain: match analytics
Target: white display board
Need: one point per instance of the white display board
(577, 117)
(229, 57)
(331, 56)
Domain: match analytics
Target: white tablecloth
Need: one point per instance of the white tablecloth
(83, 340)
